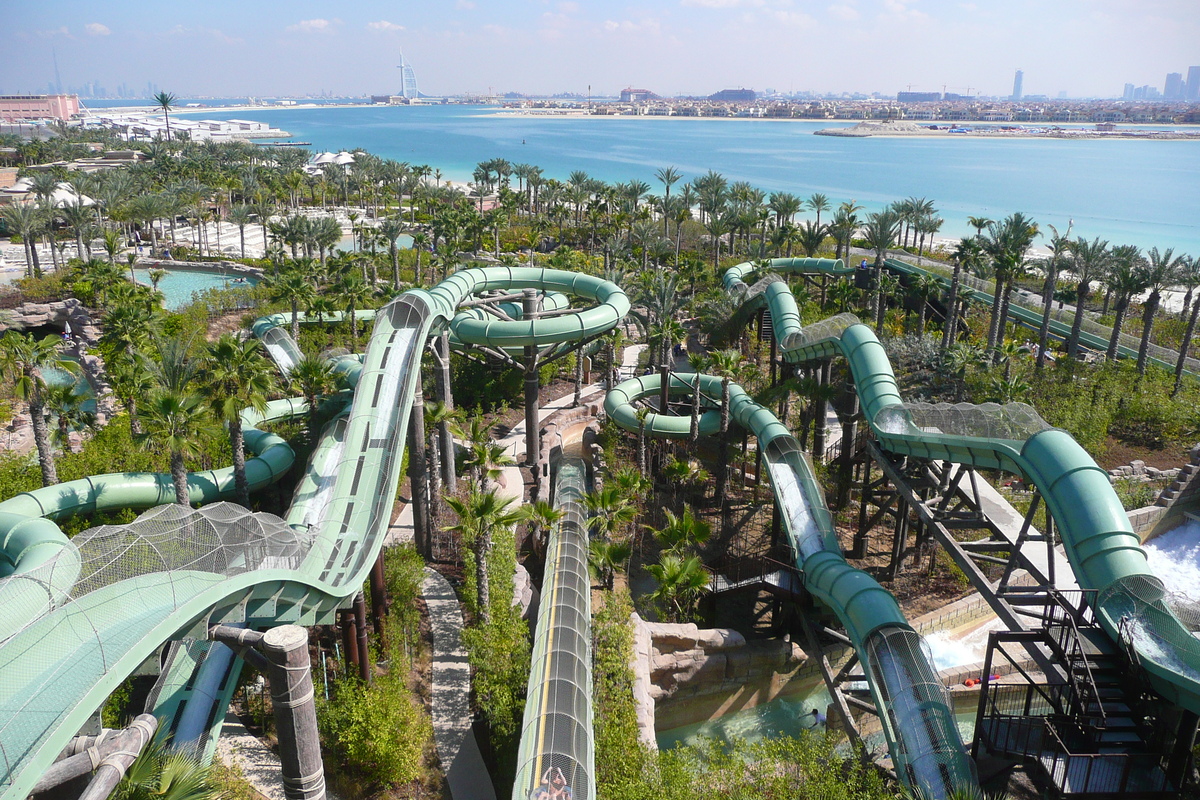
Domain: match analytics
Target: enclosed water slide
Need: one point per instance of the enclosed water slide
(916, 715)
(79, 616)
(1101, 546)
(557, 747)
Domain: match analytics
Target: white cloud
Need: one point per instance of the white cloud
(96, 29)
(384, 25)
(899, 8)
(796, 19)
(313, 26)
(647, 25)
(464, 5)
(219, 35)
(844, 12)
(568, 7)
(722, 3)
(63, 31)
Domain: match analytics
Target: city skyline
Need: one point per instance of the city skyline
(1085, 48)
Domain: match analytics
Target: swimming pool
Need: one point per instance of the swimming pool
(180, 285)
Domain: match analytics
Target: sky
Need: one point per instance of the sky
(264, 48)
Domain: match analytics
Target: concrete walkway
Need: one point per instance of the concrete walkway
(457, 749)
(237, 747)
(512, 481)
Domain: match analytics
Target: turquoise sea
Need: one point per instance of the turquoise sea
(1139, 192)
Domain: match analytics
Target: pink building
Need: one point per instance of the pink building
(38, 106)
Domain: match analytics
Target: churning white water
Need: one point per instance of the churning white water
(1175, 558)
(948, 649)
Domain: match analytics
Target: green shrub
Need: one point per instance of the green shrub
(499, 651)
(623, 762)
(404, 574)
(379, 732)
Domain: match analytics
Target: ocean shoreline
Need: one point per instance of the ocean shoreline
(1059, 131)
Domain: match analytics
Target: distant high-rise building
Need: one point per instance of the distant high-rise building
(1192, 91)
(631, 95)
(408, 80)
(1173, 88)
(1018, 79)
(918, 97)
(1128, 93)
(733, 96)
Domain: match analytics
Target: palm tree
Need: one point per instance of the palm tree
(726, 364)
(78, 218)
(293, 287)
(1187, 337)
(641, 415)
(1088, 262)
(313, 377)
(978, 223)
(176, 421)
(161, 772)
(353, 293)
(66, 404)
(236, 376)
(968, 254)
(818, 203)
(606, 559)
(420, 240)
(542, 517)
(668, 176)
(392, 229)
(23, 361)
(609, 512)
(683, 531)
(1162, 270)
(812, 236)
(441, 449)
(681, 582)
(1007, 245)
(1126, 276)
(1058, 246)
(165, 100)
(880, 233)
(717, 226)
(241, 215)
(480, 515)
(26, 220)
(842, 227)
(924, 289)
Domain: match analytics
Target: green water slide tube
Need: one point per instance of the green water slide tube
(1100, 543)
(43, 564)
(59, 667)
(556, 730)
(915, 712)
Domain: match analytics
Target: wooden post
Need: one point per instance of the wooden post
(282, 653)
(449, 476)
(349, 638)
(529, 309)
(112, 768)
(292, 697)
(379, 601)
(418, 475)
(360, 628)
(84, 750)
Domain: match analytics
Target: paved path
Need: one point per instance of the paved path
(258, 763)
(513, 482)
(457, 749)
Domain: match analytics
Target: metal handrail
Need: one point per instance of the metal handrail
(1076, 653)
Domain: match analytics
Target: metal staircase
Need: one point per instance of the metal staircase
(1087, 731)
